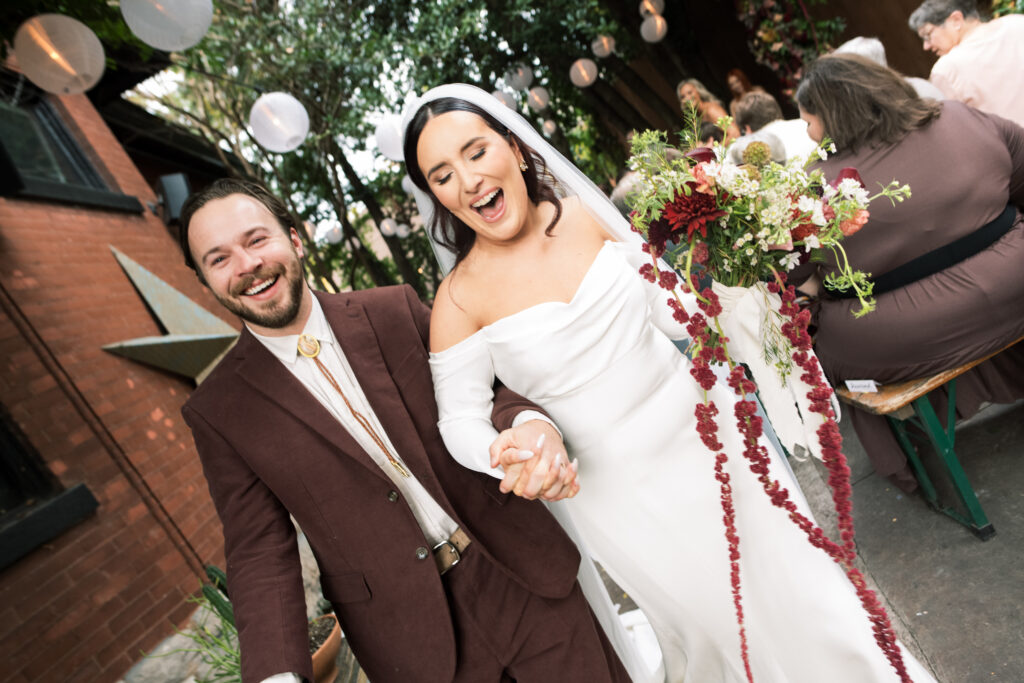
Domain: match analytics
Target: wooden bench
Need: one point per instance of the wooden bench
(907, 402)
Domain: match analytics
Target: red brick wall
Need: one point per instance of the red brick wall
(85, 605)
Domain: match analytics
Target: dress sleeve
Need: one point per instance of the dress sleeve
(463, 386)
(657, 298)
(1013, 136)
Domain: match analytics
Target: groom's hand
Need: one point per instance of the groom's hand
(533, 458)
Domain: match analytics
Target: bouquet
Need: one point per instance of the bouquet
(744, 227)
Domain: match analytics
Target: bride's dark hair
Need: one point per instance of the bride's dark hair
(447, 229)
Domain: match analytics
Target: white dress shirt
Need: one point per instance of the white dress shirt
(436, 524)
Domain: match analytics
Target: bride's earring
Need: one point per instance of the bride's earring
(523, 166)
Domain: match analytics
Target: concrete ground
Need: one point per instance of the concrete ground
(958, 598)
(954, 601)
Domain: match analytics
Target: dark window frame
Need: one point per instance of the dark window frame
(44, 510)
(92, 190)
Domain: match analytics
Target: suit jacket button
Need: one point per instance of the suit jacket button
(393, 496)
(422, 553)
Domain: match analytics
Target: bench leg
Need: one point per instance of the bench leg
(943, 439)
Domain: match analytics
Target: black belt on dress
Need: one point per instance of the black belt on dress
(939, 259)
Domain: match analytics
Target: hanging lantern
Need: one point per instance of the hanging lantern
(505, 98)
(603, 46)
(59, 54)
(583, 73)
(279, 122)
(334, 235)
(403, 231)
(519, 77)
(653, 28)
(388, 227)
(550, 127)
(538, 98)
(650, 8)
(389, 138)
(168, 25)
(408, 186)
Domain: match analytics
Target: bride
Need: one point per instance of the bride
(544, 294)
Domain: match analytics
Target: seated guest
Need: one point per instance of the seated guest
(692, 93)
(709, 134)
(739, 85)
(759, 114)
(980, 63)
(946, 262)
(873, 49)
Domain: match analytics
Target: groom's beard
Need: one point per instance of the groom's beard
(273, 314)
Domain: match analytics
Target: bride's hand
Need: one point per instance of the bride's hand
(533, 458)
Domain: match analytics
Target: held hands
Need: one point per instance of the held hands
(535, 464)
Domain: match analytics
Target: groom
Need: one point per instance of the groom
(324, 411)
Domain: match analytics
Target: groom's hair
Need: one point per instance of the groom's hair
(446, 229)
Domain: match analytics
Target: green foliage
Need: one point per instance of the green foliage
(783, 36)
(1003, 7)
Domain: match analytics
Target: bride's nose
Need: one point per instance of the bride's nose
(471, 182)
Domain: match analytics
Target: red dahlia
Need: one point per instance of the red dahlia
(692, 211)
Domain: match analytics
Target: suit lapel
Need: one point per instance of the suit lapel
(354, 332)
(265, 373)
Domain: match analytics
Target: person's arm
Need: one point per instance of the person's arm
(263, 567)
(1013, 135)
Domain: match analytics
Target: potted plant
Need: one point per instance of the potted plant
(217, 642)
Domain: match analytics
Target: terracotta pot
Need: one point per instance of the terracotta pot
(325, 660)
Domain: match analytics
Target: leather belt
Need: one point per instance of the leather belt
(448, 553)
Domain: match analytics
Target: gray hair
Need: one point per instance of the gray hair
(871, 48)
(935, 12)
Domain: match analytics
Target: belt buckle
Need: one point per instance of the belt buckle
(449, 556)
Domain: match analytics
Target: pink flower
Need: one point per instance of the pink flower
(705, 184)
(852, 225)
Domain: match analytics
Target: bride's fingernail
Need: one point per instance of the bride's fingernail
(540, 441)
(525, 455)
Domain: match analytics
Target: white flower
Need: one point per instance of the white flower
(851, 189)
(790, 260)
(811, 242)
(822, 154)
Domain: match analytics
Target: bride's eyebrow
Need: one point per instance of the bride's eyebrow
(466, 146)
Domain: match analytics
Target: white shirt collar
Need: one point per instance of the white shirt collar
(286, 348)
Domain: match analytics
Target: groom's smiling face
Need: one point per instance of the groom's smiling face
(251, 263)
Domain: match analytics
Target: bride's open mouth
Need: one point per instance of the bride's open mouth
(491, 205)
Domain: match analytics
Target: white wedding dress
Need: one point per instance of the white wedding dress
(604, 367)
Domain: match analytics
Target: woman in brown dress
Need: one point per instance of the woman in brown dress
(963, 297)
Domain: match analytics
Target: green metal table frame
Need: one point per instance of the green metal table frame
(942, 439)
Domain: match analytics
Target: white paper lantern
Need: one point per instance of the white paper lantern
(519, 77)
(653, 28)
(403, 231)
(550, 127)
(650, 8)
(388, 227)
(505, 98)
(408, 186)
(389, 137)
(59, 54)
(334, 235)
(538, 98)
(279, 122)
(603, 46)
(168, 25)
(583, 73)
